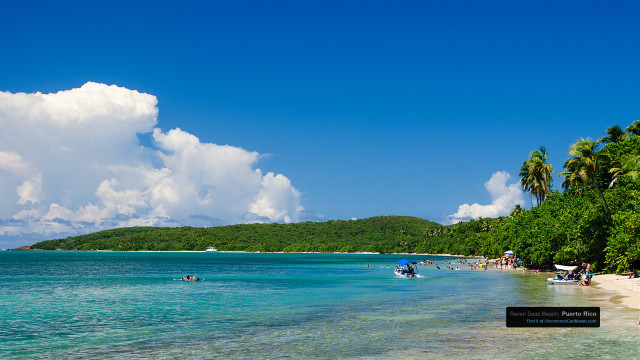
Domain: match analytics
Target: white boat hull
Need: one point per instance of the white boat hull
(552, 281)
(406, 274)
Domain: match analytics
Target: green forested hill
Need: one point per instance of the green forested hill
(378, 234)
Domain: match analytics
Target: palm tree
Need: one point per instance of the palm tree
(571, 176)
(526, 179)
(615, 135)
(535, 175)
(629, 166)
(584, 165)
(634, 128)
(517, 210)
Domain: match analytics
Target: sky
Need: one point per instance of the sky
(208, 113)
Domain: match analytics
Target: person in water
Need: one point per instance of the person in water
(189, 278)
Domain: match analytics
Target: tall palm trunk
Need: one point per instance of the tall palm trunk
(606, 206)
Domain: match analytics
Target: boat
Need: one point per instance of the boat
(211, 249)
(406, 269)
(559, 279)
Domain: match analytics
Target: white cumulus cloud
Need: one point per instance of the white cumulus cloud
(504, 197)
(14, 164)
(30, 190)
(71, 162)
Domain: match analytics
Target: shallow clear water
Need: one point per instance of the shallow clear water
(283, 306)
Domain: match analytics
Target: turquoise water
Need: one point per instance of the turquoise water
(79, 305)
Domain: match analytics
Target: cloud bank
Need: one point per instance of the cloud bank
(72, 162)
(504, 197)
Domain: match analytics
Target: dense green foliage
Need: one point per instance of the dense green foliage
(386, 234)
(389, 234)
(563, 229)
(596, 219)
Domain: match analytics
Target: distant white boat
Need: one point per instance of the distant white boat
(211, 249)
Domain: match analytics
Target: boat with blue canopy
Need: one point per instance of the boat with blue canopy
(405, 268)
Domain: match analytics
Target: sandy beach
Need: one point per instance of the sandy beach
(627, 289)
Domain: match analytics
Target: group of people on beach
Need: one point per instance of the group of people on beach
(506, 262)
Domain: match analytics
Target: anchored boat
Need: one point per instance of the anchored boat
(406, 269)
(568, 279)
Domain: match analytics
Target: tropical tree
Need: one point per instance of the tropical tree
(629, 166)
(570, 175)
(584, 164)
(615, 134)
(535, 175)
(526, 179)
(517, 210)
(634, 128)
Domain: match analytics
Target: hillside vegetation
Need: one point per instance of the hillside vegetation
(386, 234)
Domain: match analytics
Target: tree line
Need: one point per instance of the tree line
(595, 217)
(384, 234)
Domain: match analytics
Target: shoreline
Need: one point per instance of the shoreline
(26, 248)
(624, 291)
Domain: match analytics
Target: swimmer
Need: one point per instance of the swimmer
(188, 278)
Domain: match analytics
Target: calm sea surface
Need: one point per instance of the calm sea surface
(104, 305)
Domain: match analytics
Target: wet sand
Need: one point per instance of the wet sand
(627, 290)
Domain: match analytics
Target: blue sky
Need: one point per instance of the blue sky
(367, 108)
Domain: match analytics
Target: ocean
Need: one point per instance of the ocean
(110, 305)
